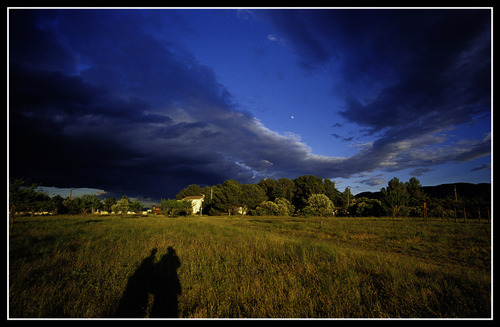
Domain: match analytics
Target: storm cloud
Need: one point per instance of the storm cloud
(113, 100)
(92, 108)
(407, 77)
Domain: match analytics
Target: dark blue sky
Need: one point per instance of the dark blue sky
(146, 102)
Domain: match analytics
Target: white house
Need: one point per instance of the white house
(196, 202)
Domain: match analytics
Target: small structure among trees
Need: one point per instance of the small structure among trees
(157, 209)
(196, 202)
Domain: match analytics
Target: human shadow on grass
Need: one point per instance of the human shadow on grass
(158, 279)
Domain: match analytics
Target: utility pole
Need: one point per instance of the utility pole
(348, 191)
(348, 196)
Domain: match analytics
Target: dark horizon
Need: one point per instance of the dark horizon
(51, 191)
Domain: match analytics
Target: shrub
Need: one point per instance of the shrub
(267, 208)
(319, 205)
(172, 207)
(280, 207)
(285, 208)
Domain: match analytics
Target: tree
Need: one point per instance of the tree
(57, 204)
(267, 208)
(270, 187)
(23, 197)
(285, 208)
(72, 205)
(18, 191)
(306, 186)
(252, 195)
(208, 192)
(280, 207)
(319, 205)
(191, 190)
(122, 205)
(89, 202)
(135, 206)
(185, 207)
(173, 207)
(281, 188)
(417, 197)
(395, 197)
(170, 207)
(287, 188)
(108, 203)
(227, 198)
(26, 197)
(365, 207)
(414, 189)
(331, 192)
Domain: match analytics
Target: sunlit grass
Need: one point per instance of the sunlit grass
(75, 266)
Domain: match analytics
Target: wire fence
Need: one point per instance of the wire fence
(464, 214)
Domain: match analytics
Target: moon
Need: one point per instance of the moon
(292, 116)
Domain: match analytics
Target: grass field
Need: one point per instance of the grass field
(252, 267)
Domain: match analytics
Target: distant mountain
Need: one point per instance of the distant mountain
(369, 195)
(466, 190)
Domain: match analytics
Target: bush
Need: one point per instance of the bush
(365, 207)
(280, 207)
(319, 205)
(267, 208)
(285, 208)
(173, 208)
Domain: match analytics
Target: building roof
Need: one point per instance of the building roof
(194, 197)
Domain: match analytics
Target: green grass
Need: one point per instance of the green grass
(252, 267)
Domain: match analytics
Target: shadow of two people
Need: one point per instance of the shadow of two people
(158, 279)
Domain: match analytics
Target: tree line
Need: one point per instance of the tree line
(410, 200)
(307, 195)
(27, 198)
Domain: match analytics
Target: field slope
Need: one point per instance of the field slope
(252, 267)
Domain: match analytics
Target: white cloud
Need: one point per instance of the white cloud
(272, 38)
